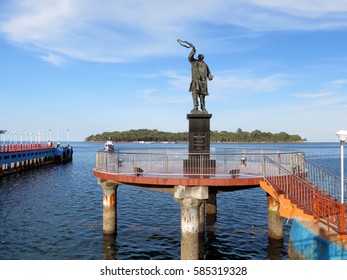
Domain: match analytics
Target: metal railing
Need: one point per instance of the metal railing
(305, 194)
(224, 163)
(323, 179)
(23, 147)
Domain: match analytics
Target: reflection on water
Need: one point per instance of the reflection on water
(275, 249)
(55, 212)
(110, 247)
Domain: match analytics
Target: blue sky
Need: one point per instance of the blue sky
(92, 66)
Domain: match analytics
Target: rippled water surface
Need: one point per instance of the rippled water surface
(55, 212)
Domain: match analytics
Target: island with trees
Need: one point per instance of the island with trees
(154, 135)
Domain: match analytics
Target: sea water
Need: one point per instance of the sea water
(55, 213)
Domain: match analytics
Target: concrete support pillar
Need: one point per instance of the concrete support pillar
(202, 217)
(211, 206)
(109, 225)
(190, 212)
(275, 223)
(202, 228)
(190, 199)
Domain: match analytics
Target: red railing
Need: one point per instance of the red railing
(23, 147)
(305, 195)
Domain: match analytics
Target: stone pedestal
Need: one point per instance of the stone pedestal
(199, 161)
(199, 133)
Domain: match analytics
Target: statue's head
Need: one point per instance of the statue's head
(201, 57)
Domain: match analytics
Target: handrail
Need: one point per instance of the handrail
(174, 162)
(23, 147)
(308, 196)
(325, 180)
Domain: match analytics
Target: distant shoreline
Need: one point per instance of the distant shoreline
(154, 135)
(186, 142)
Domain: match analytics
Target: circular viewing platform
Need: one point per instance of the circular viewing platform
(294, 186)
(173, 167)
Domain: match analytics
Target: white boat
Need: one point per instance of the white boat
(109, 146)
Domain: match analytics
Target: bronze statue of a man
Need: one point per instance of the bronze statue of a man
(198, 85)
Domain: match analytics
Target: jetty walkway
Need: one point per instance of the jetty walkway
(19, 157)
(295, 187)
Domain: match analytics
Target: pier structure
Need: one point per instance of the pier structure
(16, 157)
(294, 187)
(165, 170)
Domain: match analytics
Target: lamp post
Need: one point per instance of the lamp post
(342, 134)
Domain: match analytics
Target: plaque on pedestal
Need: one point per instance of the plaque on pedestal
(199, 133)
(199, 161)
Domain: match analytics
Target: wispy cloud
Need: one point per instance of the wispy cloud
(305, 8)
(156, 96)
(313, 95)
(118, 31)
(224, 86)
(54, 59)
(249, 84)
(226, 82)
(177, 81)
(339, 83)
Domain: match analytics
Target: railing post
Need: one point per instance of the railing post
(291, 161)
(97, 161)
(133, 167)
(167, 164)
(263, 166)
(342, 226)
(118, 161)
(201, 164)
(105, 155)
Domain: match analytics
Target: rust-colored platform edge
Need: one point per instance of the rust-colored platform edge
(184, 181)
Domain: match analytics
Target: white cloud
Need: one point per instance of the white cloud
(248, 84)
(225, 85)
(227, 82)
(306, 8)
(313, 95)
(54, 59)
(117, 31)
(156, 96)
(320, 102)
(177, 81)
(339, 83)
